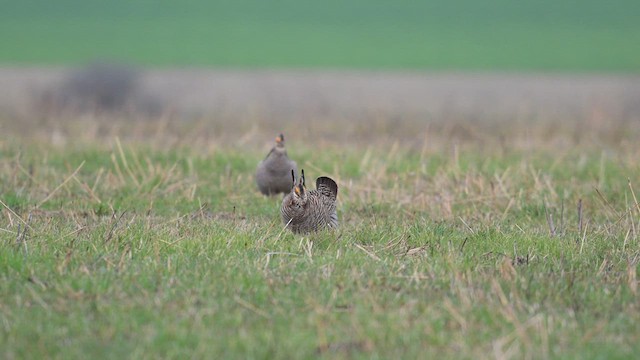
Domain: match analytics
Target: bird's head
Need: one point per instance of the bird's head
(280, 141)
(299, 188)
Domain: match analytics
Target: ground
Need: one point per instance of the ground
(486, 232)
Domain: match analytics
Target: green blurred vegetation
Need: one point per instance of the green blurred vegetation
(469, 35)
(170, 253)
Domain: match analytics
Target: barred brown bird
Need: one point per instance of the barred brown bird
(304, 211)
(274, 172)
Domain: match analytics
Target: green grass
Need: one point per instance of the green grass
(169, 251)
(443, 35)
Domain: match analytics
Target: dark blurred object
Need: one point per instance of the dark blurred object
(100, 87)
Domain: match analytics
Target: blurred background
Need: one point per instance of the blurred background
(268, 65)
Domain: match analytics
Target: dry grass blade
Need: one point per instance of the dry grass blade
(371, 255)
(114, 224)
(272, 253)
(249, 306)
(60, 186)
(579, 216)
(632, 277)
(125, 163)
(88, 190)
(21, 236)
(635, 200)
(466, 225)
(606, 202)
(549, 216)
(8, 231)
(282, 231)
(14, 213)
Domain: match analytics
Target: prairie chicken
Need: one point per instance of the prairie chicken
(274, 172)
(305, 211)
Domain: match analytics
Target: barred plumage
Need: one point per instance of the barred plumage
(273, 174)
(305, 211)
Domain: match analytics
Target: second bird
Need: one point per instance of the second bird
(273, 175)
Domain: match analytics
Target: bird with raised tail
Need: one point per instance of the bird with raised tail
(304, 211)
(273, 175)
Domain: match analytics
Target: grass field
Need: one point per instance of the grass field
(148, 239)
(468, 35)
